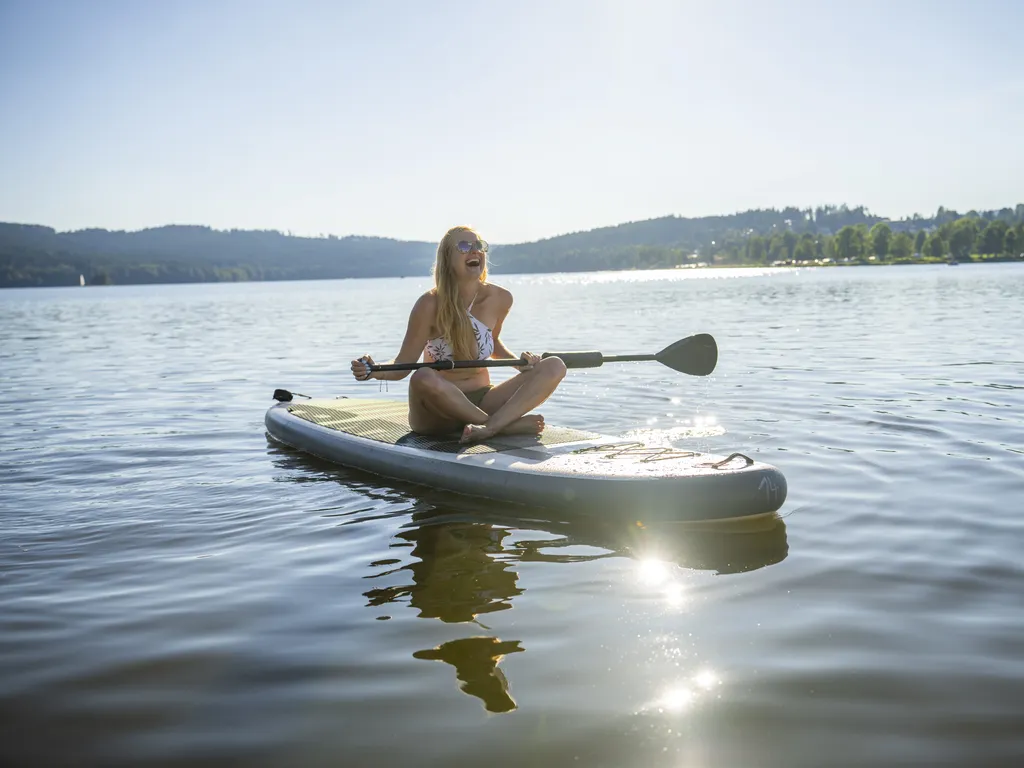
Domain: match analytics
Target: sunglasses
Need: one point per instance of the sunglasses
(477, 245)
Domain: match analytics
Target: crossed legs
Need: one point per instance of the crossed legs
(437, 406)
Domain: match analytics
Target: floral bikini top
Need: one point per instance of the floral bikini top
(440, 349)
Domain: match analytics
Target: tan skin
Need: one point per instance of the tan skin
(437, 400)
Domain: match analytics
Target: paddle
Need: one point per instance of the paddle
(696, 355)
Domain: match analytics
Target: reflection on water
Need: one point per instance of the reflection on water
(476, 666)
(454, 576)
(453, 563)
(734, 547)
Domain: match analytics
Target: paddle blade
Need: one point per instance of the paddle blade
(696, 355)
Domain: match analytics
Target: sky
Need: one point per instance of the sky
(525, 119)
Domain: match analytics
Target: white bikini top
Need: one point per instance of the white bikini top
(440, 349)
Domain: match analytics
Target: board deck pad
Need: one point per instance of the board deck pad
(387, 421)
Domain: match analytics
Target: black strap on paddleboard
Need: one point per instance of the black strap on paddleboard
(721, 464)
(284, 396)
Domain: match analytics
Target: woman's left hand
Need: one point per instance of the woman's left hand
(531, 360)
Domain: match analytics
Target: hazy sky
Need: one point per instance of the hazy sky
(526, 119)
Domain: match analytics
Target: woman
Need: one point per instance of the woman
(461, 319)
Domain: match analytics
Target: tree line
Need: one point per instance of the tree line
(33, 255)
(962, 239)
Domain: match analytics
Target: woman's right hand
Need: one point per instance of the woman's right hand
(361, 368)
(530, 361)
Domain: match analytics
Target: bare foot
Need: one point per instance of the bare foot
(531, 424)
(474, 433)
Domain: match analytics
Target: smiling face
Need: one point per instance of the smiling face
(461, 258)
(468, 255)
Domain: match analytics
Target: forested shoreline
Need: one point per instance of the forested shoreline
(32, 255)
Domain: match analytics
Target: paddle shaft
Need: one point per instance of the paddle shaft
(447, 365)
(694, 355)
(571, 360)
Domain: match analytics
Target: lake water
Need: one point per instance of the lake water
(176, 589)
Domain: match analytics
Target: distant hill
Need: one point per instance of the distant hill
(643, 244)
(35, 255)
(32, 255)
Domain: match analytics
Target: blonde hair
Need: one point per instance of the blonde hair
(452, 319)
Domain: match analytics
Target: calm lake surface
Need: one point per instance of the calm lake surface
(177, 589)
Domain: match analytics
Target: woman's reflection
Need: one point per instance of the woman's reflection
(476, 666)
(456, 577)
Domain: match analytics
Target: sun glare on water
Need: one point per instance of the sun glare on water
(676, 429)
(652, 573)
(660, 576)
(676, 699)
(660, 275)
(705, 679)
(685, 695)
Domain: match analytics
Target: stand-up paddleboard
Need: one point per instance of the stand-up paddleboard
(561, 468)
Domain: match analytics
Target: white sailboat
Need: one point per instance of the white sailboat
(81, 280)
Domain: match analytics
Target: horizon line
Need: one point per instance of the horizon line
(328, 236)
